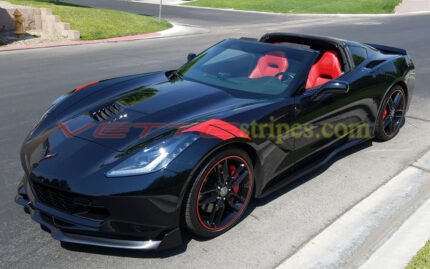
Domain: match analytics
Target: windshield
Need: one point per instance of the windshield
(249, 68)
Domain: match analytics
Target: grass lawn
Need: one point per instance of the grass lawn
(422, 259)
(304, 6)
(99, 23)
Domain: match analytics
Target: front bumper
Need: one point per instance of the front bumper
(73, 229)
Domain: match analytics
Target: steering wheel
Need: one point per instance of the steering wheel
(289, 75)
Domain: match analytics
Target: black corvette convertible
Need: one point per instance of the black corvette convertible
(132, 162)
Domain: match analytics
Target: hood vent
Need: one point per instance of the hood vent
(106, 112)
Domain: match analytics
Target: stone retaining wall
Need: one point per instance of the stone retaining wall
(37, 19)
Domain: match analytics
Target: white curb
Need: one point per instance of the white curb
(356, 235)
(404, 244)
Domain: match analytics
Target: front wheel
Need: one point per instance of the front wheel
(220, 194)
(392, 114)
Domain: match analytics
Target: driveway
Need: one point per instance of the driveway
(276, 226)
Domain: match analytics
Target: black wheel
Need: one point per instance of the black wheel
(220, 194)
(392, 114)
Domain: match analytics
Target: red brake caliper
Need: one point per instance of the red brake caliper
(385, 113)
(232, 169)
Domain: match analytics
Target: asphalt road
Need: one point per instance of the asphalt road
(185, 15)
(275, 227)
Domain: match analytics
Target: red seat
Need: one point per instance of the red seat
(326, 69)
(270, 64)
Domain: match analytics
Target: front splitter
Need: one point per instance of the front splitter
(171, 239)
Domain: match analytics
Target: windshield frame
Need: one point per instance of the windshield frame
(290, 89)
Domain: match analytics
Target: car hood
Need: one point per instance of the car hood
(142, 112)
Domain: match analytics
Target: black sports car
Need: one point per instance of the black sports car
(131, 162)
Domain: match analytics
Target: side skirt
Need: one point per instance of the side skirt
(304, 168)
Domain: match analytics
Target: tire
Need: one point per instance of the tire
(391, 115)
(216, 203)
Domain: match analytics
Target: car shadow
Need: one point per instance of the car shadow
(187, 237)
(273, 196)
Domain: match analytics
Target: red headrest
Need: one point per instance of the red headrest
(326, 69)
(329, 65)
(270, 64)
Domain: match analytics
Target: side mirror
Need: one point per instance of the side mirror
(333, 87)
(191, 57)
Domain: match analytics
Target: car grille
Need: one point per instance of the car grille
(70, 203)
(106, 112)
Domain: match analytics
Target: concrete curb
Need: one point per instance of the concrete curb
(74, 43)
(397, 251)
(176, 30)
(360, 232)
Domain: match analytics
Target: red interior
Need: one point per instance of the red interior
(326, 69)
(270, 64)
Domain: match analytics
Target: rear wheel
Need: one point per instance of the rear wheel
(220, 194)
(392, 115)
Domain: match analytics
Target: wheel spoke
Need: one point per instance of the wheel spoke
(219, 174)
(397, 100)
(398, 113)
(220, 213)
(212, 216)
(396, 125)
(387, 121)
(233, 206)
(239, 179)
(208, 191)
(209, 199)
(391, 126)
(238, 197)
(238, 171)
(226, 173)
(391, 105)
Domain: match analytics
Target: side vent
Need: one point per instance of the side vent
(374, 64)
(106, 112)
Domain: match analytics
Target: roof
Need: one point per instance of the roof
(301, 38)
